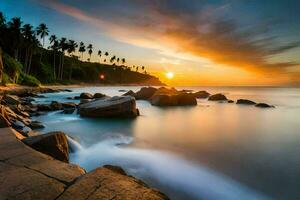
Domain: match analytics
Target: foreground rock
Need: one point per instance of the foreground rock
(217, 97)
(245, 102)
(264, 105)
(129, 93)
(124, 106)
(110, 183)
(54, 144)
(85, 95)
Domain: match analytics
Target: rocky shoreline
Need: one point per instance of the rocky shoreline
(25, 152)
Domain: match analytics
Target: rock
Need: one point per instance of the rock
(230, 101)
(70, 98)
(82, 101)
(68, 111)
(69, 105)
(217, 97)
(44, 107)
(201, 94)
(56, 105)
(245, 102)
(66, 90)
(85, 95)
(122, 90)
(166, 91)
(110, 183)
(54, 144)
(11, 99)
(36, 125)
(129, 93)
(115, 169)
(174, 100)
(99, 95)
(112, 107)
(4, 117)
(145, 93)
(21, 127)
(264, 105)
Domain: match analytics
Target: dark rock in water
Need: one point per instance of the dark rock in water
(230, 101)
(68, 111)
(11, 99)
(174, 100)
(36, 125)
(122, 90)
(112, 107)
(70, 98)
(76, 97)
(66, 90)
(44, 107)
(99, 95)
(217, 97)
(129, 93)
(201, 94)
(56, 105)
(113, 184)
(82, 101)
(69, 105)
(85, 95)
(54, 144)
(264, 105)
(145, 93)
(21, 127)
(245, 102)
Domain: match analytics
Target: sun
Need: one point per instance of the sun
(170, 75)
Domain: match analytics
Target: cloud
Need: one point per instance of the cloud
(185, 27)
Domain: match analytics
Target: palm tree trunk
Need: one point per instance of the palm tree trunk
(29, 65)
(54, 73)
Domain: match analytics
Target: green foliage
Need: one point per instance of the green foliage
(11, 66)
(28, 80)
(5, 79)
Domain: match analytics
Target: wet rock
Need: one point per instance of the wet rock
(56, 105)
(83, 101)
(86, 95)
(129, 93)
(110, 182)
(201, 94)
(54, 144)
(245, 102)
(145, 93)
(174, 100)
(11, 99)
(69, 105)
(44, 107)
(36, 125)
(68, 111)
(230, 101)
(98, 95)
(217, 97)
(264, 105)
(4, 118)
(112, 107)
(185, 99)
(21, 127)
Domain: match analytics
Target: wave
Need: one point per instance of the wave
(166, 169)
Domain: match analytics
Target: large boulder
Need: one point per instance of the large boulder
(129, 93)
(43, 107)
(124, 106)
(145, 93)
(11, 99)
(201, 94)
(245, 102)
(69, 105)
(217, 97)
(86, 95)
(185, 99)
(110, 182)
(54, 144)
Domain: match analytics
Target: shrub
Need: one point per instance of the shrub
(28, 80)
(12, 67)
(5, 79)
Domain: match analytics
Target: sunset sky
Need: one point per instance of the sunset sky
(216, 42)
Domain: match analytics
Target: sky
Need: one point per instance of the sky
(211, 42)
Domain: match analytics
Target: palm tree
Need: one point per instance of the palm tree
(99, 54)
(81, 49)
(113, 59)
(137, 68)
(90, 48)
(72, 46)
(118, 60)
(42, 31)
(143, 68)
(27, 33)
(15, 27)
(106, 54)
(54, 47)
(123, 61)
(63, 46)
